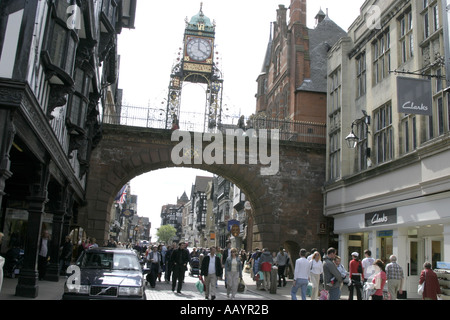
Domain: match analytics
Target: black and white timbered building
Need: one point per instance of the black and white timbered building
(58, 72)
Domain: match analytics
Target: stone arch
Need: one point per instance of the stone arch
(284, 204)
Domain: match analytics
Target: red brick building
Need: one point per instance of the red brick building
(293, 83)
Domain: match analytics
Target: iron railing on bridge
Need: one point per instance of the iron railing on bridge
(289, 130)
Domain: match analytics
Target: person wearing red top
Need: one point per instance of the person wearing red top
(432, 287)
(379, 280)
(356, 277)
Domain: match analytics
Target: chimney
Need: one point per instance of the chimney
(298, 11)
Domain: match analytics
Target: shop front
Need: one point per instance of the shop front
(414, 231)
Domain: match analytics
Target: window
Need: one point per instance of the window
(382, 57)
(363, 146)
(435, 18)
(406, 37)
(409, 133)
(361, 75)
(335, 155)
(430, 16)
(335, 90)
(440, 116)
(79, 100)
(383, 137)
(62, 42)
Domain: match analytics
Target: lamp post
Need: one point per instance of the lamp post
(352, 139)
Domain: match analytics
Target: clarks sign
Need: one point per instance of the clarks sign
(414, 96)
(381, 217)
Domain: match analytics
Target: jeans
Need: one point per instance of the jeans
(334, 293)
(301, 284)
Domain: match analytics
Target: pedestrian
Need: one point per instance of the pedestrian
(233, 273)
(254, 262)
(313, 250)
(395, 276)
(154, 259)
(169, 266)
(93, 243)
(432, 288)
(301, 276)
(66, 255)
(282, 259)
(179, 260)
(356, 277)
(226, 253)
(316, 267)
(331, 275)
(341, 268)
(368, 265)
(43, 254)
(211, 270)
(265, 265)
(379, 280)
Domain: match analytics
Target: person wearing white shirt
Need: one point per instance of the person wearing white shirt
(301, 276)
(316, 270)
(367, 265)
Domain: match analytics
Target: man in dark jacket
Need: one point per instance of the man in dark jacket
(211, 269)
(179, 260)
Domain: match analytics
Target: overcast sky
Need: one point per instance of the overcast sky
(149, 52)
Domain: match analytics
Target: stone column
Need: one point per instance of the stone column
(58, 205)
(7, 133)
(28, 279)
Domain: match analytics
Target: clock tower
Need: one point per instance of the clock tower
(197, 66)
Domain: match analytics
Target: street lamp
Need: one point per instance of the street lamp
(352, 139)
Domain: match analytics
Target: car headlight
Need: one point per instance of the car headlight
(76, 288)
(130, 291)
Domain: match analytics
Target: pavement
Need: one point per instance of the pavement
(49, 290)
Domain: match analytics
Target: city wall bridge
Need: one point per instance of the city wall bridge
(285, 193)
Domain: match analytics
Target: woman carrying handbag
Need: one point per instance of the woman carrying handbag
(430, 282)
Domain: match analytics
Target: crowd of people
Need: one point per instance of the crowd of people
(367, 277)
(211, 264)
(322, 273)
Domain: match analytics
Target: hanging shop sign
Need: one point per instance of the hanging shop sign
(381, 217)
(234, 228)
(414, 96)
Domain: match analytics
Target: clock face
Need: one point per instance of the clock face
(199, 49)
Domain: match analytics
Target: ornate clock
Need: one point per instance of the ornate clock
(199, 49)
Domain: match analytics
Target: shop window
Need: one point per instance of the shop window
(385, 246)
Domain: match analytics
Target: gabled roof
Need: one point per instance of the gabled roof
(201, 183)
(321, 39)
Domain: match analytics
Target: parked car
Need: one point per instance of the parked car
(105, 273)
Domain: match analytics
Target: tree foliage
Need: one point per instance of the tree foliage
(166, 233)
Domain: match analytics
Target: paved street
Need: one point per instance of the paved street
(163, 291)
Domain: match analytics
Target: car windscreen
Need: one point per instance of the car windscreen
(110, 260)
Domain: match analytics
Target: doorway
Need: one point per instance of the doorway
(414, 261)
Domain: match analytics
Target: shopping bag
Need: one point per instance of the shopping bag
(324, 295)
(420, 288)
(199, 286)
(261, 275)
(309, 289)
(241, 286)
